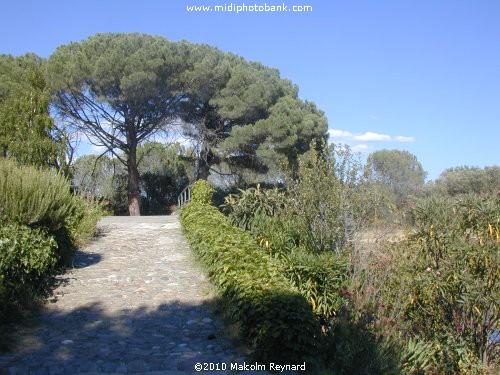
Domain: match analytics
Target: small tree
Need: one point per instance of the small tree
(324, 199)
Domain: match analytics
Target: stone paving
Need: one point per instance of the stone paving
(135, 302)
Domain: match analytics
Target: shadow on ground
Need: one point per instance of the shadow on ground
(174, 336)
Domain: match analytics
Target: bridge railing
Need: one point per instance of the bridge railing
(184, 197)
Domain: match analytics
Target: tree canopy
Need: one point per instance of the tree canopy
(122, 89)
(464, 180)
(400, 170)
(27, 131)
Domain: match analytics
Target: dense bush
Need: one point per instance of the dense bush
(41, 224)
(440, 286)
(319, 278)
(26, 258)
(274, 317)
(244, 207)
(202, 192)
(33, 197)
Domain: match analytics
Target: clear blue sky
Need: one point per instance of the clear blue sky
(418, 75)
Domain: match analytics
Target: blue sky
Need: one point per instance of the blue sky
(417, 75)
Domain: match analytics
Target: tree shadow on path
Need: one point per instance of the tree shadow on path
(88, 339)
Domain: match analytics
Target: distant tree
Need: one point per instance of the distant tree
(119, 89)
(27, 132)
(464, 180)
(162, 175)
(93, 175)
(399, 170)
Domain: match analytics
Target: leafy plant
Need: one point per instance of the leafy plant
(324, 201)
(202, 192)
(26, 258)
(274, 317)
(244, 207)
(319, 278)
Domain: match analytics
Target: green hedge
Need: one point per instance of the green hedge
(275, 319)
(41, 224)
(26, 258)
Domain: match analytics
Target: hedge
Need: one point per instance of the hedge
(274, 318)
(26, 258)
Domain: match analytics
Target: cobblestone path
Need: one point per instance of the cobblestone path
(135, 302)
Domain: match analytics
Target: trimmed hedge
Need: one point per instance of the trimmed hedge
(275, 319)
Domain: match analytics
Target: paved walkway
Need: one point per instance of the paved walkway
(135, 302)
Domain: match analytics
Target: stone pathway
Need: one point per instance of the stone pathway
(135, 302)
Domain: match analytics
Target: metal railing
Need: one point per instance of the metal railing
(184, 197)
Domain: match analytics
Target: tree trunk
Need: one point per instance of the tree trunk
(133, 181)
(204, 161)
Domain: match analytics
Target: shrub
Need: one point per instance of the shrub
(244, 207)
(202, 192)
(325, 202)
(34, 197)
(42, 199)
(26, 258)
(440, 286)
(454, 296)
(274, 317)
(319, 278)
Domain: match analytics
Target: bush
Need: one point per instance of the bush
(274, 317)
(42, 199)
(202, 192)
(244, 207)
(325, 203)
(26, 258)
(319, 278)
(454, 298)
(440, 286)
(33, 197)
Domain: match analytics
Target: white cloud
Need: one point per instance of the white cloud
(98, 149)
(370, 136)
(374, 117)
(338, 135)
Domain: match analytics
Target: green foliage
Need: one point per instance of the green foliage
(319, 278)
(400, 170)
(162, 176)
(274, 317)
(41, 224)
(33, 197)
(39, 198)
(454, 298)
(27, 131)
(465, 180)
(82, 224)
(274, 143)
(202, 192)
(324, 201)
(440, 287)
(244, 207)
(26, 258)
